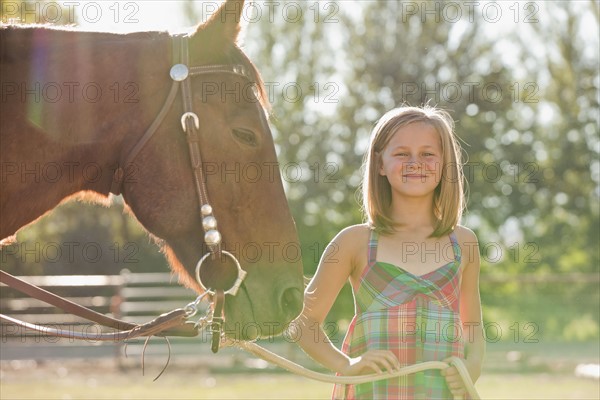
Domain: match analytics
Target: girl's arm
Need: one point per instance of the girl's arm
(470, 313)
(335, 267)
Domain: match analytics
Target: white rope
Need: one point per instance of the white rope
(300, 370)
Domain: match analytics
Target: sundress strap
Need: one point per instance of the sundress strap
(455, 247)
(372, 251)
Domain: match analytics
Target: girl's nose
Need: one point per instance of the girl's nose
(412, 164)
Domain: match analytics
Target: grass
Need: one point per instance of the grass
(536, 386)
(188, 386)
(263, 386)
(511, 371)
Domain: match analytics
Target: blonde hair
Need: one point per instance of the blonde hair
(448, 200)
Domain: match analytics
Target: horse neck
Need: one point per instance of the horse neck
(73, 144)
(123, 68)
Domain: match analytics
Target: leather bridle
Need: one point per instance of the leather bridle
(175, 322)
(181, 75)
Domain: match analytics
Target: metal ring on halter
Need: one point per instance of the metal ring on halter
(192, 308)
(238, 282)
(194, 117)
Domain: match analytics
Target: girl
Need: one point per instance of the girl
(414, 271)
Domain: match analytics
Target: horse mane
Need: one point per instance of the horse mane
(176, 267)
(184, 277)
(233, 54)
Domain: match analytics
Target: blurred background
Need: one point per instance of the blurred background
(520, 80)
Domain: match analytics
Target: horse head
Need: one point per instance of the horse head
(242, 180)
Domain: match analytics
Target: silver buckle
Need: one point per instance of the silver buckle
(185, 116)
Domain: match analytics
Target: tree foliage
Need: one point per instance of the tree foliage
(525, 107)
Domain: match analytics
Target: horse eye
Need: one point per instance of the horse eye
(245, 136)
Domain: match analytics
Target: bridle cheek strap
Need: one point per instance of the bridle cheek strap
(216, 325)
(181, 76)
(190, 124)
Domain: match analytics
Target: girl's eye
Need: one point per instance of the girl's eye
(428, 154)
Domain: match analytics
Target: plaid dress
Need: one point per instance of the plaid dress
(416, 317)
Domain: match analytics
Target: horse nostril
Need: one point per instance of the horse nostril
(291, 303)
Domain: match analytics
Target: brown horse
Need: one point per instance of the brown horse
(73, 106)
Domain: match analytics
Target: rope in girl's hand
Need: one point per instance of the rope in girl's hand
(300, 370)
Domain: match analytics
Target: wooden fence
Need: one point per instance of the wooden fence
(135, 297)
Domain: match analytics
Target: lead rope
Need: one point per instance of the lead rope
(264, 354)
(294, 368)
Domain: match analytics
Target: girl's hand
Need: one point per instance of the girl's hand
(455, 382)
(372, 361)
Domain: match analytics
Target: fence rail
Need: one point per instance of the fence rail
(134, 297)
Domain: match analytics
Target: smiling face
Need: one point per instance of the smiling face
(412, 160)
(413, 151)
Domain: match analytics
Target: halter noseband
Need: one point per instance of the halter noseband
(180, 74)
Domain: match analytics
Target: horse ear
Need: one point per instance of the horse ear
(224, 25)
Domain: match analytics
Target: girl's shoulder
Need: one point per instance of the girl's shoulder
(354, 235)
(469, 244)
(465, 235)
(351, 243)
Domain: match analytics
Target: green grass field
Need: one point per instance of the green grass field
(511, 372)
(132, 385)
